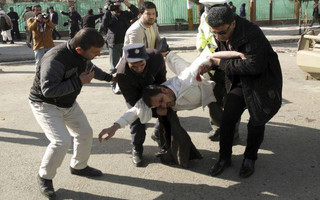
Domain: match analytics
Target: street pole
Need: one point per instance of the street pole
(270, 12)
(190, 16)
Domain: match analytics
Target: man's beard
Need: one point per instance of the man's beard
(150, 23)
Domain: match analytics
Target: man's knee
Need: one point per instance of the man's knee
(62, 144)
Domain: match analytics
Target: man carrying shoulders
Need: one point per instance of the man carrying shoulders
(139, 68)
(254, 84)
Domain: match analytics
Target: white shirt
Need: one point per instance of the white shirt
(190, 93)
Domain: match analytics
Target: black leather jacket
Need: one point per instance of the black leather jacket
(260, 74)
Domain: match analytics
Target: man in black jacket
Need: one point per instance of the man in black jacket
(133, 75)
(58, 82)
(74, 21)
(54, 19)
(14, 18)
(89, 20)
(116, 22)
(254, 83)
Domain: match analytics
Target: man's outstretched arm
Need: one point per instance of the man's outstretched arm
(140, 110)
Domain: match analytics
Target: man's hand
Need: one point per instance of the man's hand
(204, 69)
(114, 77)
(110, 131)
(86, 77)
(126, 2)
(162, 111)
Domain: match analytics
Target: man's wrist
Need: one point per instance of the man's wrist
(116, 126)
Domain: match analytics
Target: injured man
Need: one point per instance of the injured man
(188, 90)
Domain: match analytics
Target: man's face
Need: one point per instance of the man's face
(149, 17)
(11, 9)
(71, 10)
(90, 53)
(224, 32)
(138, 67)
(37, 11)
(99, 10)
(51, 10)
(163, 100)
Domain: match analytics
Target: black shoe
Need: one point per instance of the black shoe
(247, 168)
(11, 42)
(87, 172)
(4, 42)
(219, 167)
(46, 187)
(163, 46)
(214, 135)
(29, 45)
(136, 157)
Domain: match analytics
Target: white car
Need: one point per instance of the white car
(308, 56)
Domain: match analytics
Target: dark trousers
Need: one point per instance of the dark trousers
(55, 33)
(138, 134)
(216, 108)
(16, 31)
(73, 31)
(233, 109)
(115, 54)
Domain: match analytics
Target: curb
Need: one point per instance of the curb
(30, 58)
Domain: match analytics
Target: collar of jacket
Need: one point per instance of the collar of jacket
(239, 36)
(74, 52)
(140, 23)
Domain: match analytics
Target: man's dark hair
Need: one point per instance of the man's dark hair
(51, 7)
(147, 5)
(36, 6)
(90, 12)
(150, 91)
(87, 38)
(220, 15)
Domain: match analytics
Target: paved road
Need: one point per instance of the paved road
(288, 167)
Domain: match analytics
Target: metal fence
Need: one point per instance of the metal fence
(21, 7)
(169, 10)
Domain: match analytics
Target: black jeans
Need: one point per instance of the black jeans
(234, 107)
(138, 134)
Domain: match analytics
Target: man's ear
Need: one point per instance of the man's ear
(79, 50)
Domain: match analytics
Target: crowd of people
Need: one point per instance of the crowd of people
(236, 69)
